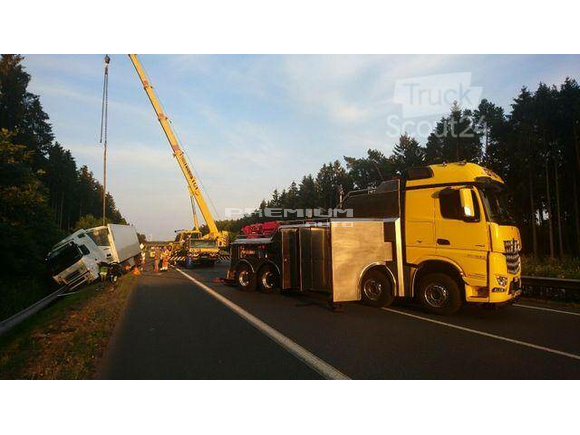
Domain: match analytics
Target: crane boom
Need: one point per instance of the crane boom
(194, 189)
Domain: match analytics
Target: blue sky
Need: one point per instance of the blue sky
(249, 124)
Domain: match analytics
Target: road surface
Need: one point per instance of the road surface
(181, 325)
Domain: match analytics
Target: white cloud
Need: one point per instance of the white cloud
(351, 89)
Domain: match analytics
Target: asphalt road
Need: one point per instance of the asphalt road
(178, 328)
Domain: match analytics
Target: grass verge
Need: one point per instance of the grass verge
(66, 340)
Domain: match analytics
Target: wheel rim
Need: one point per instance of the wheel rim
(436, 295)
(373, 289)
(244, 278)
(268, 280)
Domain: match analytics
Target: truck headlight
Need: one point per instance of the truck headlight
(501, 280)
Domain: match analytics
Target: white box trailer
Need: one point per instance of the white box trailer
(119, 243)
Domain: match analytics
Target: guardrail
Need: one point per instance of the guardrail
(566, 290)
(18, 318)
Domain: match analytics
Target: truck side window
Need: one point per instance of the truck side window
(450, 205)
(84, 250)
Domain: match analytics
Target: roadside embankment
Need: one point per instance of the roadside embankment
(66, 340)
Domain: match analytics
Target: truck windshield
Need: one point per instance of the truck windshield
(63, 258)
(495, 203)
(100, 236)
(202, 243)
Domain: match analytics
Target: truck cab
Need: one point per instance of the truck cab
(198, 248)
(456, 224)
(75, 260)
(203, 251)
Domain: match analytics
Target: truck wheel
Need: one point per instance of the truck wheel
(376, 289)
(245, 278)
(267, 279)
(439, 294)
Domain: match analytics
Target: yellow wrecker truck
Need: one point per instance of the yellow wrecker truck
(440, 234)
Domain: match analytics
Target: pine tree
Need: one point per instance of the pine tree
(455, 139)
(407, 153)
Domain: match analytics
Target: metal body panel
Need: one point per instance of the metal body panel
(290, 257)
(355, 245)
(315, 259)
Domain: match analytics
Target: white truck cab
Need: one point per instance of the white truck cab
(75, 260)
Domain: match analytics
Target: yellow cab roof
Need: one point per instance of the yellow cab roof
(458, 172)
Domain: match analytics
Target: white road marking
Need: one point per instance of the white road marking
(320, 366)
(486, 334)
(547, 309)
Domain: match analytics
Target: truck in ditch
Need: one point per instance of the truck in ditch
(440, 234)
(75, 260)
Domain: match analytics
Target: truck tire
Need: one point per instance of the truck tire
(267, 279)
(376, 289)
(439, 294)
(246, 278)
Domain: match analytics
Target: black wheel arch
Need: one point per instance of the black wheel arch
(268, 263)
(382, 268)
(244, 263)
(438, 266)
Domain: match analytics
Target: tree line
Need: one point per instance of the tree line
(43, 194)
(535, 148)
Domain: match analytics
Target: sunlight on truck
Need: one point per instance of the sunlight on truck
(440, 234)
(75, 260)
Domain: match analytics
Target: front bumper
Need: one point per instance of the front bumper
(203, 257)
(498, 267)
(497, 292)
(510, 292)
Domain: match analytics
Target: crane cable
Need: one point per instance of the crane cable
(104, 128)
(105, 100)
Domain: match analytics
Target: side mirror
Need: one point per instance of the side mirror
(467, 203)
